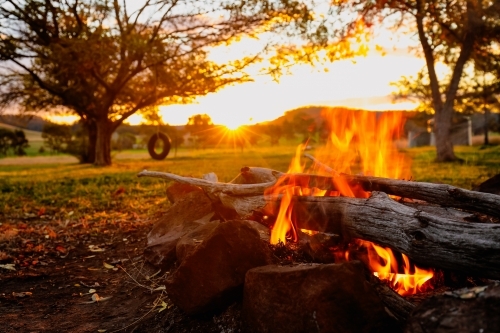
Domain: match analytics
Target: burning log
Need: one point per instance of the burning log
(442, 194)
(431, 240)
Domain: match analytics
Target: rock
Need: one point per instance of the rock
(491, 185)
(212, 276)
(189, 242)
(184, 216)
(469, 310)
(263, 231)
(177, 191)
(313, 298)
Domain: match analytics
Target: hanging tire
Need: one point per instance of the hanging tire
(152, 143)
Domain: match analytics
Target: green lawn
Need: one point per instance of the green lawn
(74, 191)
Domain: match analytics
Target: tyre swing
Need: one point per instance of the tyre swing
(158, 135)
(152, 145)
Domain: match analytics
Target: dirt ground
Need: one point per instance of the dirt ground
(88, 279)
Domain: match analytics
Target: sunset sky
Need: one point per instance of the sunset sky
(363, 82)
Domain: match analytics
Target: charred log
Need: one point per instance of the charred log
(435, 241)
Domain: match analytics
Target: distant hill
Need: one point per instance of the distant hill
(33, 123)
(32, 136)
(314, 112)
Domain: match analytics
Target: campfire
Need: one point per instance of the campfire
(354, 210)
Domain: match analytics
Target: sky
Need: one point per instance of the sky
(362, 82)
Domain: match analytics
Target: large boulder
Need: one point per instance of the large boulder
(212, 276)
(313, 298)
(189, 242)
(185, 215)
(467, 310)
(491, 185)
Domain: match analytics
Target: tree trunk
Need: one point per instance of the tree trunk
(486, 126)
(92, 135)
(442, 131)
(103, 142)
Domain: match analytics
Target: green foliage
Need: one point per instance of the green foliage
(13, 140)
(61, 138)
(19, 143)
(200, 127)
(56, 136)
(125, 140)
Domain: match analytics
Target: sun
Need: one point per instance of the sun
(232, 124)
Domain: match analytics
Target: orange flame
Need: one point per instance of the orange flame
(358, 142)
(382, 262)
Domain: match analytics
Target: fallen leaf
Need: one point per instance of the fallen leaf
(108, 266)
(92, 291)
(61, 249)
(97, 298)
(163, 306)
(41, 211)
(159, 288)
(95, 248)
(119, 191)
(101, 331)
(22, 294)
(8, 266)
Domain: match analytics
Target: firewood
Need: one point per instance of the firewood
(396, 305)
(441, 194)
(430, 240)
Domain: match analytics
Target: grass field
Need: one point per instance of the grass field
(75, 191)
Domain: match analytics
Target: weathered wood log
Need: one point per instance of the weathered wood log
(435, 241)
(441, 194)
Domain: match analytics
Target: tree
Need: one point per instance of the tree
(274, 132)
(19, 142)
(6, 137)
(476, 93)
(97, 59)
(200, 127)
(56, 136)
(454, 32)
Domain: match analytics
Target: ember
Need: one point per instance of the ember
(358, 141)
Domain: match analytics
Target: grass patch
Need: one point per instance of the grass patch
(88, 193)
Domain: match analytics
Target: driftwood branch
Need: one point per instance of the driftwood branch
(226, 188)
(448, 243)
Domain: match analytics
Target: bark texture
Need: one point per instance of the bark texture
(441, 194)
(448, 243)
